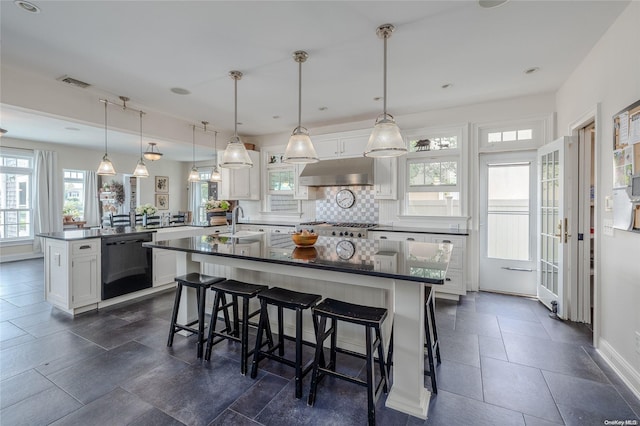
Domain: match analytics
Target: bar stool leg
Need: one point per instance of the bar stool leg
(434, 328)
(280, 331)
(174, 315)
(201, 302)
(321, 335)
(298, 353)
(245, 335)
(212, 325)
(370, 390)
(381, 363)
(236, 318)
(264, 317)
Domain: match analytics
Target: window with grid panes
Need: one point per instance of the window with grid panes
(16, 212)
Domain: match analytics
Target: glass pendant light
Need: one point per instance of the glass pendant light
(300, 149)
(194, 176)
(215, 174)
(141, 168)
(152, 153)
(106, 167)
(235, 156)
(385, 139)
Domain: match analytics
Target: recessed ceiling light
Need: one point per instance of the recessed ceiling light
(531, 70)
(275, 117)
(489, 4)
(323, 108)
(377, 98)
(25, 5)
(239, 123)
(446, 85)
(180, 91)
(74, 129)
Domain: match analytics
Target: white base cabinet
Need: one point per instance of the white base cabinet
(72, 274)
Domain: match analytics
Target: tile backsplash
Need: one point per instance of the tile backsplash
(364, 210)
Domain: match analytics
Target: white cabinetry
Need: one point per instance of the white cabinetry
(302, 192)
(242, 184)
(341, 147)
(398, 236)
(72, 274)
(385, 171)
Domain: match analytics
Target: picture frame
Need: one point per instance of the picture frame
(162, 201)
(162, 184)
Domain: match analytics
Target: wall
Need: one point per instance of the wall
(610, 76)
(70, 157)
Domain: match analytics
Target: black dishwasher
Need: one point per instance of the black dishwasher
(126, 265)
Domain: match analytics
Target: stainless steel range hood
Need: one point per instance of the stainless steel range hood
(341, 172)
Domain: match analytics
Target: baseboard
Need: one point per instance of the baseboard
(623, 369)
(19, 256)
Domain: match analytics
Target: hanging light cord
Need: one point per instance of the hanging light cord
(235, 110)
(299, 94)
(105, 128)
(215, 148)
(384, 73)
(140, 135)
(194, 145)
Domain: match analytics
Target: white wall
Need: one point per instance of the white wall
(70, 157)
(610, 75)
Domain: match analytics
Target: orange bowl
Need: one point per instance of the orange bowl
(301, 240)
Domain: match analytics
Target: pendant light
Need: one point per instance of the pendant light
(106, 167)
(235, 156)
(194, 176)
(385, 139)
(215, 174)
(152, 153)
(300, 149)
(141, 168)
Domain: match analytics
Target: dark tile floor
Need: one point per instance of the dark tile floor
(505, 362)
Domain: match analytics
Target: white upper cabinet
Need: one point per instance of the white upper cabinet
(242, 184)
(341, 147)
(386, 178)
(302, 192)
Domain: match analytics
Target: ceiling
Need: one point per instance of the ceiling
(142, 49)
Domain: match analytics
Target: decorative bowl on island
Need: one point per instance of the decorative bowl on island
(304, 239)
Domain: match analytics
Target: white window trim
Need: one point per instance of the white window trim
(461, 153)
(267, 167)
(542, 129)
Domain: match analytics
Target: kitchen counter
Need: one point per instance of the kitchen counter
(416, 230)
(383, 273)
(85, 234)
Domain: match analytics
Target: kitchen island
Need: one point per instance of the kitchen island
(390, 274)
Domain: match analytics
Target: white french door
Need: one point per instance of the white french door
(556, 225)
(508, 223)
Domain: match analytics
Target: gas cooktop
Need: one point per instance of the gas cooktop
(338, 229)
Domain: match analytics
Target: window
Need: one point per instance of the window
(280, 185)
(514, 135)
(16, 213)
(202, 191)
(73, 204)
(433, 174)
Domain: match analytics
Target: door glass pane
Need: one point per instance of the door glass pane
(508, 211)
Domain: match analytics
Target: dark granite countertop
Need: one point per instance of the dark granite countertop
(85, 234)
(414, 230)
(405, 260)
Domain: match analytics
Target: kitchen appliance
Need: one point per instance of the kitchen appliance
(340, 172)
(126, 265)
(338, 229)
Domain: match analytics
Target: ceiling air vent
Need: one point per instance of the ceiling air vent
(74, 82)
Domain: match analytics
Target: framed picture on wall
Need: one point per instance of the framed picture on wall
(162, 184)
(162, 201)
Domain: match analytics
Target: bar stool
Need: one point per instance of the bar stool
(371, 318)
(235, 289)
(200, 283)
(431, 343)
(289, 299)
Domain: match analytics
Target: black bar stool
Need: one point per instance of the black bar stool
(431, 343)
(289, 299)
(235, 289)
(200, 283)
(370, 317)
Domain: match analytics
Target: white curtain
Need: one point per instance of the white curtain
(91, 206)
(47, 195)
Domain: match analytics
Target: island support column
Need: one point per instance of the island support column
(408, 393)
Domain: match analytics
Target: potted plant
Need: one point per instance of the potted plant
(216, 211)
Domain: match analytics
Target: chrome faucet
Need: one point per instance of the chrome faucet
(234, 218)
